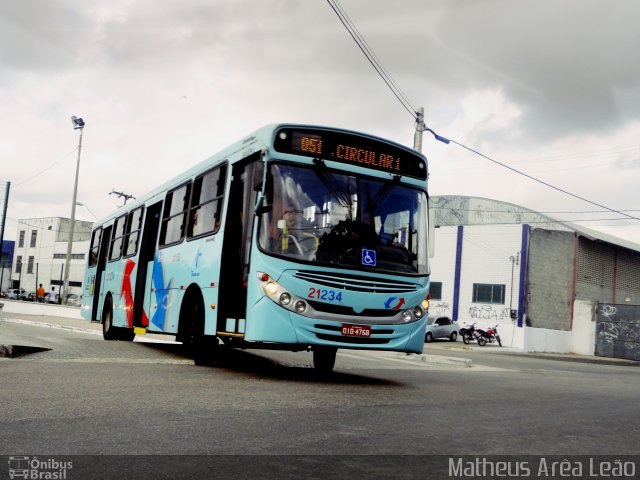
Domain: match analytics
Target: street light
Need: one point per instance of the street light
(80, 204)
(78, 124)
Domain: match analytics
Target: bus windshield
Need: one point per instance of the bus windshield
(341, 219)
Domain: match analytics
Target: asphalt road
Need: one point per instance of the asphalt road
(86, 396)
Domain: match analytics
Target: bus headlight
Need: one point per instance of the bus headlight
(300, 306)
(418, 312)
(406, 316)
(271, 288)
(425, 304)
(285, 299)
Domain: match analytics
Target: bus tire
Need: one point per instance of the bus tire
(202, 348)
(324, 359)
(109, 332)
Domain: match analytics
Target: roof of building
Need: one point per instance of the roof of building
(453, 210)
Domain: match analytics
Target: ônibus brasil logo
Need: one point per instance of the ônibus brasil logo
(37, 469)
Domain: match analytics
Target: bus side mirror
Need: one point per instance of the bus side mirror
(261, 205)
(258, 176)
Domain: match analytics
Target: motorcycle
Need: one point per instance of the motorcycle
(468, 333)
(490, 335)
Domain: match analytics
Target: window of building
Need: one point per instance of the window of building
(19, 264)
(206, 202)
(174, 215)
(488, 293)
(34, 237)
(435, 289)
(63, 256)
(30, 264)
(21, 239)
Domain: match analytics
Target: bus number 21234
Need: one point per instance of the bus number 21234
(323, 294)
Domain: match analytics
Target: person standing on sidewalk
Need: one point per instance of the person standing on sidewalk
(40, 294)
(53, 295)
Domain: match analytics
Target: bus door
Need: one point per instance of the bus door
(236, 246)
(145, 263)
(102, 263)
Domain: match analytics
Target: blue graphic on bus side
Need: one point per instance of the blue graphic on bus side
(162, 293)
(368, 257)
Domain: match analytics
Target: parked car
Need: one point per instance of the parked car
(16, 293)
(441, 327)
(74, 300)
(31, 297)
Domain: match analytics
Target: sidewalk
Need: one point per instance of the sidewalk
(473, 347)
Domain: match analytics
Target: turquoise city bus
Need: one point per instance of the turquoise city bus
(302, 238)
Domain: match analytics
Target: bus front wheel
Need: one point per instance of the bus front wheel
(324, 359)
(202, 348)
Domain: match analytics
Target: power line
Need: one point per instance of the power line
(46, 168)
(402, 98)
(371, 57)
(530, 177)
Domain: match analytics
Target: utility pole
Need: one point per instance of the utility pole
(420, 128)
(4, 214)
(78, 124)
(126, 196)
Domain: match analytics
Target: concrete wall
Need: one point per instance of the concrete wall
(584, 327)
(486, 258)
(550, 279)
(443, 270)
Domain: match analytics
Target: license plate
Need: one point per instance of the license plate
(356, 330)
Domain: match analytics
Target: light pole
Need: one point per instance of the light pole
(78, 124)
(80, 204)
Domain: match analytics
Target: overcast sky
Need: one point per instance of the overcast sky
(548, 87)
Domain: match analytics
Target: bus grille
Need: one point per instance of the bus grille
(348, 311)
(356, 283)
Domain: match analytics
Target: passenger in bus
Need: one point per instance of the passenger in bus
(196, 227)
(296, 235)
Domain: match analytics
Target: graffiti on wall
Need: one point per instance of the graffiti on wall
(618, 331)
(439, 309)
(489, 312)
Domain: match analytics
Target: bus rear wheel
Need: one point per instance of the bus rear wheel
(109, 332)
(324, 359)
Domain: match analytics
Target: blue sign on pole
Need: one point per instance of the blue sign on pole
(368, 257)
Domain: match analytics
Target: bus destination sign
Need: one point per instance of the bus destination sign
(350, 148)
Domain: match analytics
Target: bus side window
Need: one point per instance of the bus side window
(95, 247)
(206, 202)
(115, 251)
(174, 215)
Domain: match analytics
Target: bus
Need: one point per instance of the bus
(297, 237)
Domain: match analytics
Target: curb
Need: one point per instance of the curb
(52, 325)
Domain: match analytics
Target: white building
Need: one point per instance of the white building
(40, 253)
(542, 282)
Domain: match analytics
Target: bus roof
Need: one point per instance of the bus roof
(256, 141)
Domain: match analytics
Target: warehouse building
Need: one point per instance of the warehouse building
(546, 284)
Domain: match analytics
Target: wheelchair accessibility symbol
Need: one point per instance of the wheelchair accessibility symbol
(368, 257)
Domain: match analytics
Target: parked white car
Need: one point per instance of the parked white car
(441, 327)
(16, 293)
